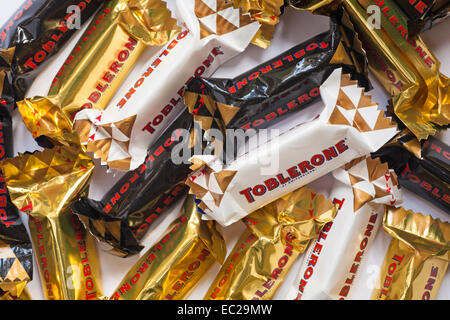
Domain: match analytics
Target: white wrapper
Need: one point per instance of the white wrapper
(332, 263)
(145, 105)
(350, 126)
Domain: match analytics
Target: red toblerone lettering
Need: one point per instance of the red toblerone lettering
(151, 256)
(48, 47)
(293, 172)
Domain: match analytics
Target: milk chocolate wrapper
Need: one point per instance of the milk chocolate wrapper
(112, 43)
(32, 35)
(275, 236)
(16, 261)
(44, 184)
(417, 257)
(151, 99)
(333, 262)
(127, 210)
(404, 65)
(350, 126)
(173, 266)
(285, 84)
(144, 194)
(423, 168)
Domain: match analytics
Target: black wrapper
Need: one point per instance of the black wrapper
(285, 84)
(124, 214)
(428, 176)
(14, 241)
(31, 36)
(121, 219)
(423, 14)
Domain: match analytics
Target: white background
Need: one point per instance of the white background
(295, 27)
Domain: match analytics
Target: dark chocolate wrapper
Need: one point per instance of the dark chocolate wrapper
(427, 175)
(122, 218)
(124, 214)
(33, 34)
(16, 263)
(423, 14)
(285, 84)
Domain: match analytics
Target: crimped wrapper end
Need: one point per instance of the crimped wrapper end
(150, 21)
(44, 118)
(61, 173)
(267, 13)
(418, 231)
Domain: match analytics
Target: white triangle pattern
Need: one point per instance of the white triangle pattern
(353, 93)
(360, 170)
(365, 186)
(116, 152)
(346, 114)
(212, 4)
(370, 115)
(231, 15)
(210, 22)
(213, 185)
(118, 135)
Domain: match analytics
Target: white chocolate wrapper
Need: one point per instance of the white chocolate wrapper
(150, 100)
(350, 126)
(332, 263)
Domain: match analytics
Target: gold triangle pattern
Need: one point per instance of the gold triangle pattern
(370, 170)
(221, 25)
(102, 147)
(344, 104)
(11, 269)
(222, 178)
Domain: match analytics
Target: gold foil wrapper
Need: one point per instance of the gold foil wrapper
(315, 6)
(173, 266)
(106, 53)
(24, 295)
(267, 13)
(404, 65)
(14, 290)
(417, 257)
(44, 184)
(277, 234)
(43, 118)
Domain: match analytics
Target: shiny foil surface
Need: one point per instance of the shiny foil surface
(283, 85)
(35, 33)
(131, 206)
(349, 126)
(267, 13)
(107, 51)
(417, 257)
(171, 268)
(424, 14)
(334, 262)
(275, 237)
(44, 184)
(16, 261)
(423, 168)
(404, 65)
(150, 100)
